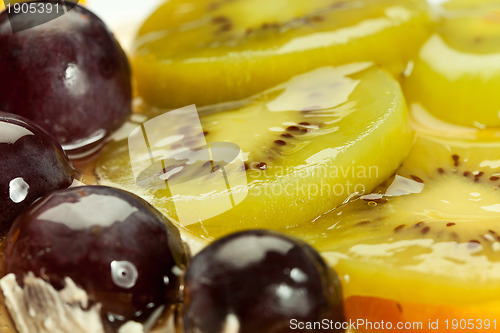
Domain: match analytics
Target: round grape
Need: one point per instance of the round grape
(69, 75)
(259, 281)
(114, 245)
(33, 164)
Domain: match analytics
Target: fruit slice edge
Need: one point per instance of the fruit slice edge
(373, 116)
(241, 54)
(437, 244)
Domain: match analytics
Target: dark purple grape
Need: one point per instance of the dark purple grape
(32, 165)
(259, 281)
(69, 75)
(118, 248)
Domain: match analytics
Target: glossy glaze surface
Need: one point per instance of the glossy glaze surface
(434, 225)
(33, 164)
(456, 75)
(210, 52)
(115, 246)
(308, 144)
(257, 281)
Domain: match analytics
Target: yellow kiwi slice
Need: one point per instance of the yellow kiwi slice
(430, 236)
(308, 144)
(207, 52)
(457, 73)
(424, 247)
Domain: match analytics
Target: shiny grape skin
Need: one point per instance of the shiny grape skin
(32, 165)
(69, 75)
(259, 281)
(79, 233)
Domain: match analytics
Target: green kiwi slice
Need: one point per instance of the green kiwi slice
(207, 52)
(456, 75)
(429, 235)
(307, 144)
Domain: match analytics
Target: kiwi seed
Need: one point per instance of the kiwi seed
(417, 179)
(399, 227)
(224, 24)
(317, 18)
(220, 20)
(280, 142)
(262, 166)
(362, 223)
(477, 176)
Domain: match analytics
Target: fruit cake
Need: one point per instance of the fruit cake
(252, 166)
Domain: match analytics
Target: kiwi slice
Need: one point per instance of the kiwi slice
(457, 73)
(307, 145)
(430, 235)
(207, 52)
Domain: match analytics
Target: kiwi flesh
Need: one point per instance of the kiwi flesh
(429, 235)
(456, 75)
(308, 144)
(208, 52)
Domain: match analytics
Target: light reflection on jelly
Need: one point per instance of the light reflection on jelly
(323, 88)
(394, 16)
(374, 251)
(256, 249)
(10, 133)
(454, 64)
(124, 274)
(492, 208)
(75, 80)
(403, 186)
(90, 210)
(303, 139)
(18, 190)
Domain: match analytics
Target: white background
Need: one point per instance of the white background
(123, 16)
